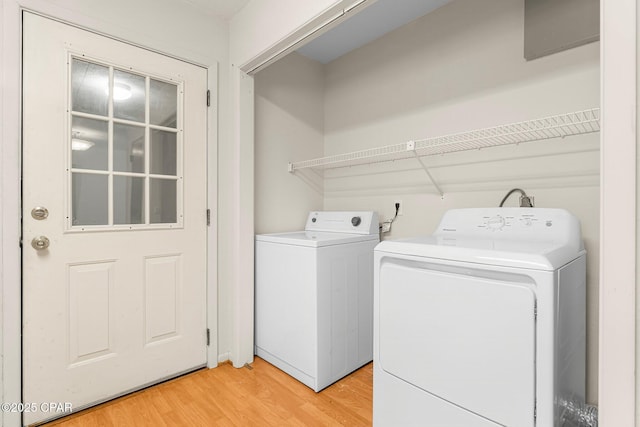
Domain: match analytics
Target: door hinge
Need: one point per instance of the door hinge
(208, 217)
(208, 98)
(208, 337)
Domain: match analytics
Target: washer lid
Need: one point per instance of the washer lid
(315, 239)
(536, 255)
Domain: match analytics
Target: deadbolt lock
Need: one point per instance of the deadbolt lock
(39, 213)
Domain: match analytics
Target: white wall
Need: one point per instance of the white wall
(289, 125)
(457, 69)
(167, 26)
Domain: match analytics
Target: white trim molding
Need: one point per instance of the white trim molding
(212, 198)
(10, 205)
(243, 225)
(617, 353)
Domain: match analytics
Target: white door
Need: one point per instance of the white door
(114, 216)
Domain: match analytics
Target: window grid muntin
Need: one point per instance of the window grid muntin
(110, 149)
(147, 155)
(110, 172)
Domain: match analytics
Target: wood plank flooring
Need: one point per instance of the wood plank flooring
(226, 396)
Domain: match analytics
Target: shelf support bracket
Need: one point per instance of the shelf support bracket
(411, 146)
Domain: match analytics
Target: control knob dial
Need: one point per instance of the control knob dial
(496, 223)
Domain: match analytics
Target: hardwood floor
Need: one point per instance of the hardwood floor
(226, 396)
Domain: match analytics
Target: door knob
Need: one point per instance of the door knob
(40, 243)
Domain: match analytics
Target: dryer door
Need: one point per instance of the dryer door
(463, 335)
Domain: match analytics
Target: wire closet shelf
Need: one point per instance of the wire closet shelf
(558, 126)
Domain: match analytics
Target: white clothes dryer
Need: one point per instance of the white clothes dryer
(314, 297)
(481, 324)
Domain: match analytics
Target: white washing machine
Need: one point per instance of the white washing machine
(481, 324)
(314, 297)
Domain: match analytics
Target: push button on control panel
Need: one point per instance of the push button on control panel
(356, 220)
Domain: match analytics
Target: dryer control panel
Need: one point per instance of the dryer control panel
(526, 221)
(533, 224)
(505, 222)
(355, 222)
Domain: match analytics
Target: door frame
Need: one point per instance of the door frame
(11, 198)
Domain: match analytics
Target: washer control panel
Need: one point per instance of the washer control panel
(359, 222)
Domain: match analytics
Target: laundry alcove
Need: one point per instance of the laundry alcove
(458, 68)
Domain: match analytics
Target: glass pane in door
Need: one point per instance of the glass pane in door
(129, 96)
(128, 148)
(163, 104)
(162, 201)
(163, 152)
(89, 88)
(128, 200)
(89, 199)
(89, 143)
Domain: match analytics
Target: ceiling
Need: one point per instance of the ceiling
(224, 9)
(372, 22)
